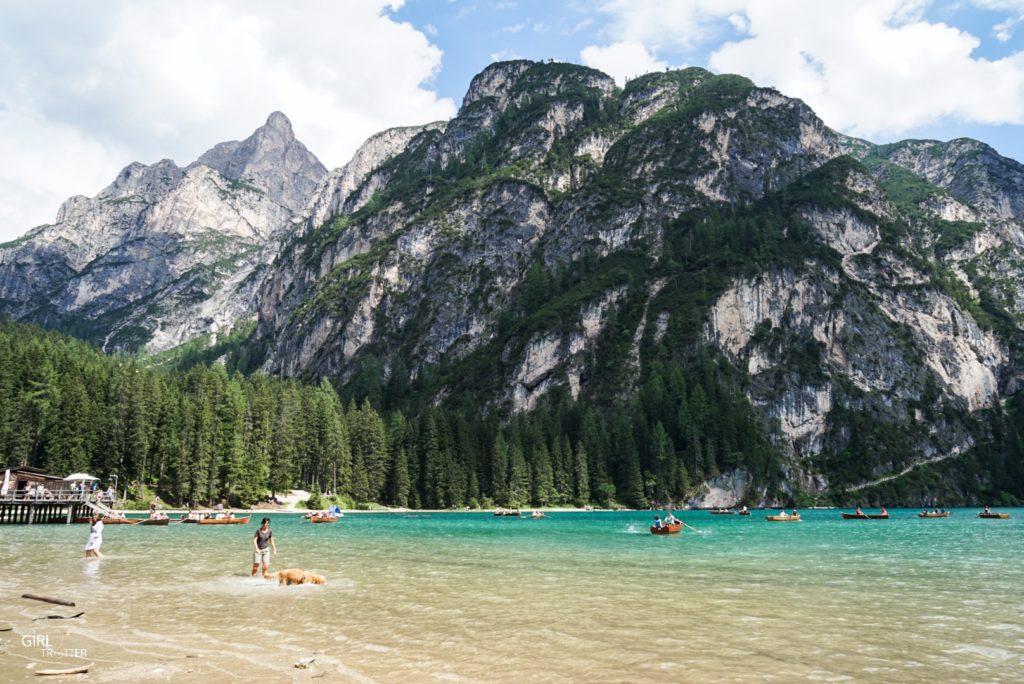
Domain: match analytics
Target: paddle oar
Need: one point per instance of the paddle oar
(691, 527)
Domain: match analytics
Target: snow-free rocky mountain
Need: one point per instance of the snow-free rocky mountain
(164, 253)
(564, 239)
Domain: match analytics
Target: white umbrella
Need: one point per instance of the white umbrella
(78, 477)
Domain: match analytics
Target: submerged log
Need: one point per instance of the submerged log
(47, 599)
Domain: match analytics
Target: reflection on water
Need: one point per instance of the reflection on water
(575, 596)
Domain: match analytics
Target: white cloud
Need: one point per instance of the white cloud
(869, 67)
(580, 25)
(505, 56)
(91, 88)
(622, 60)
(872, 68)
(681, 24)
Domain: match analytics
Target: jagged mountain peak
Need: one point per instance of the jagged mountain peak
(277, 121)
(968, 169)
(271, 159)
(143, 181)
(509, 81)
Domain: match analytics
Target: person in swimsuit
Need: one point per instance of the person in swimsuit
(262, 543)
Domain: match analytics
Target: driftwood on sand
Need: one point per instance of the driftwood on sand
(59, 617)
(47, 599)
(70, 670)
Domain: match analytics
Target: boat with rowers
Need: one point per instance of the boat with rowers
(508, 512)
(161, 522)
(783, 517)
(670, 528)
(933, 514)
(322, 518)
(861, 515)
(987, 513)
(722, 511)
(120, 521)
(232, 520)
(211, 518)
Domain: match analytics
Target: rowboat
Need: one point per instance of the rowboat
(323, 519)
(722, 511)
(928, 514)
(744, 513)
(1000, 516)
(782, 518)
(508, 513)
(224, 521)
(671, 528)
(121, 521)
(156, 521)
(865, 516)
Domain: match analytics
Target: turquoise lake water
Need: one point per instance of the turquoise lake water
(572, 597)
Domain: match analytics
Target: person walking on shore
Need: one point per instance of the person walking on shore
(262, 543)
(92, 546)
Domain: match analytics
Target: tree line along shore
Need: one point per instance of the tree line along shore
(204, 435)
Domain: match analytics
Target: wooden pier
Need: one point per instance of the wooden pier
(29, 512)
(31, 496)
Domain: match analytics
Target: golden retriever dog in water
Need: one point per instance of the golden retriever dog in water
(296, 576)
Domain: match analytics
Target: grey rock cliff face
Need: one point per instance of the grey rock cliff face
(163, 254)
(969, 170)
(272, 160)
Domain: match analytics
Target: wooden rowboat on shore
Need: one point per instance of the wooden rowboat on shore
(782, 518)
(672, 528)
(931, 514)
(865, 516)
(995, 516)
(224, 521)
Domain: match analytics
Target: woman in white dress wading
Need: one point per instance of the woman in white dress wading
(92, 547)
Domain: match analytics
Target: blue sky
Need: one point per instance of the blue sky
(87, 88)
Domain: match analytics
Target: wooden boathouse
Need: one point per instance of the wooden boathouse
(31, 496)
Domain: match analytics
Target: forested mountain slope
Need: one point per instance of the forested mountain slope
(687, 289)
(849, 311)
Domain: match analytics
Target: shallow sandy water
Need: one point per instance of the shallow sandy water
(574, 597)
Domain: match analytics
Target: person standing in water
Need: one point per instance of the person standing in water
(262, 543)
(92, 546)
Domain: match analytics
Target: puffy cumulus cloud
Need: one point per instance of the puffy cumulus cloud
(45, 163)
(85, 89)
(869, 67)
(670, 24)
(872, 67)
(622, 60)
